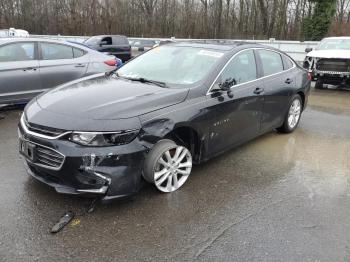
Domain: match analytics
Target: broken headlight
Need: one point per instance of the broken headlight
(103, 138)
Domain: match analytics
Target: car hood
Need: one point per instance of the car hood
(330, 54)
(104, 98)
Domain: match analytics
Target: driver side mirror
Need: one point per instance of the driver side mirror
(227, 84)
(307, 50)
(103, 43)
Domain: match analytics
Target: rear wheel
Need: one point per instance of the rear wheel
(319, 84)
(168, 166)
(292, 117)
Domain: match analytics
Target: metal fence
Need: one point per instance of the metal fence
(295, 49)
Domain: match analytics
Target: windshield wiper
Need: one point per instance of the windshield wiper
(139, 79)
(145, 80)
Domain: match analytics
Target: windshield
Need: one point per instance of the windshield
(93, 40)
(334, 44)
(172, 65)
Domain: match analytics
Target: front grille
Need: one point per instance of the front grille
(48, 157)
(47, 131)
(333, 65)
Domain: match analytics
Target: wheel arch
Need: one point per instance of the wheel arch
(302, 96)
(188, 136)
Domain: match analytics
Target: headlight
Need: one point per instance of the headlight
(103, 139)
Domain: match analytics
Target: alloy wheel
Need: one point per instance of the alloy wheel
(172, 169)
(294, 113)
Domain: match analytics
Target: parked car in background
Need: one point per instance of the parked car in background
(165, 110)
(117, 45)
(139, 46)
(29, 66)
(165, 42)
(329, 63)
(12, 32)
(119, 62)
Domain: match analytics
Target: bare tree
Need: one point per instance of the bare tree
(281, 19)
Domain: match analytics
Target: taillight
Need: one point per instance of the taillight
(111, 62)
(309, 76)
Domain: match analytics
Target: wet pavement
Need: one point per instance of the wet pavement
(277, 198)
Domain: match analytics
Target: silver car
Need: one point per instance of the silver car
(29, 66)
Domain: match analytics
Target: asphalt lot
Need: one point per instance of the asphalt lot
(277, 198)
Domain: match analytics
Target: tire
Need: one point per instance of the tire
(319, 84)
(167, 166)
(292, 118)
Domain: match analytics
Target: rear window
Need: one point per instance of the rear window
(78, 52)
(271, 62)
(288, 64)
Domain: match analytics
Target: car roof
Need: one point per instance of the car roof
(225, 47)
(107, 36)
(42, 39)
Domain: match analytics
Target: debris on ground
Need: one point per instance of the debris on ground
(75, 222)
(65, 219)
(68, 217)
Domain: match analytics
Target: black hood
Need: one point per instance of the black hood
(104, 98)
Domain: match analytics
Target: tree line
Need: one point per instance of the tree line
(234, 19)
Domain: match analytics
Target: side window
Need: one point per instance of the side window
(120, 40)
(17, 52)
(78, 52)
(51, 51)
(241, 69)
(271, 62)
(107, 40)
(288, 64)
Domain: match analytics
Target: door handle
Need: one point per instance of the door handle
(288, 81)
(80, 65)
(258, 90)
(29, 69)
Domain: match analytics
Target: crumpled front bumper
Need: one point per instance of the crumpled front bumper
(108, 172)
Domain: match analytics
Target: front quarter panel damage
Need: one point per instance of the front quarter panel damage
(116, 169)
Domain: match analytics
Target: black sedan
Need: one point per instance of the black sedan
(151, 120)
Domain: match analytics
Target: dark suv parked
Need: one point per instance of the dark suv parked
(117, 45)
(169, 108)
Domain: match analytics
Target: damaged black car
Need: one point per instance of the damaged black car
(154, 118)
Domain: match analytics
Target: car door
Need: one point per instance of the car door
(278, 83)
(19, 72)
(60, 63)
(235, 114)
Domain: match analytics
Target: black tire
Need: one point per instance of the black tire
(319, 84)
(286, 128)
(153, 156)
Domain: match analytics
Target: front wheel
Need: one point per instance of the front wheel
(168, 166)
(292, 117)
